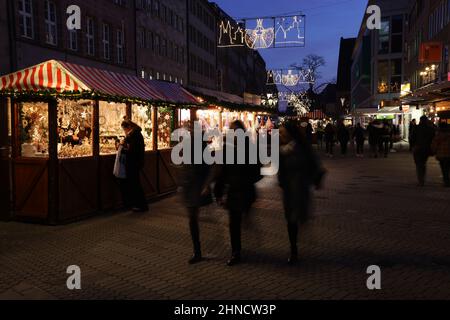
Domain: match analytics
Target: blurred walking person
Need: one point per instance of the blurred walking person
(236, 182)
(441, 148)
(374, 137)
(133, 147)
(343, 137)
(422, 139)
(360, 137)
(329, 139)
(320, 134)
(385, 138)
(412, 128)
(194, 183)
(300, 169)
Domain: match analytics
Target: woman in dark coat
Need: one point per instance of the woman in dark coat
(134, 150)
(299, 170)
(194, 182)
(237, 182)
(360, 136)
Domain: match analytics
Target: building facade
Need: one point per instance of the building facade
(170, 40)
(202, 44)
(428, 62)
(36, 31)
(344, 83)
(378, 68)
(161, 45)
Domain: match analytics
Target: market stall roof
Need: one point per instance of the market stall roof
(316, 114)
(220, 96)
(63, 77)
(434, 92)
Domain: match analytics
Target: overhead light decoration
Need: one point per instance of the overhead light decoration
(290, 77)
(260, 37)
(270, 100)
(231, 35)
(263, 33)
(290, 31)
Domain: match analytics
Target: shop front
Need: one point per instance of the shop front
(65, 129)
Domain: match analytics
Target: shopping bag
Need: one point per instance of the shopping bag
(119, 165)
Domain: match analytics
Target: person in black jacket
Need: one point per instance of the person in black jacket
(194, 182)
(360, 136)
(422, 140)
(300, 169)
(343, 136)
(237, 182)
(134, 150)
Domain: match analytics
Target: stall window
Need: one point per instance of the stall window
(33, 126)
(75, 129)
(165, 125)
(142, 116)
(209, 119)
(184, 118)
(111, 116)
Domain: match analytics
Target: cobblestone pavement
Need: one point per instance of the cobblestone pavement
(370, 213)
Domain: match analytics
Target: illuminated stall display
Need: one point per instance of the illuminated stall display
(142, 116)
(110, 120)
(184, 118)
(165, 127)
(65, 130)
(33, 127)
(75, 127)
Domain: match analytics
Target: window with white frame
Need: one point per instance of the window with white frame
(120, 46)
(90, 36)
(106, 42)
(50, 23)
(73, 40)
(26, 19)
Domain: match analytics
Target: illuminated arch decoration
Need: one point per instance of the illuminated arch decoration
(231, 35)
(290, 31)
(260, 37)
(263, 33)
(290, 77)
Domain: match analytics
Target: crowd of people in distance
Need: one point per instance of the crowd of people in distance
(425, 140)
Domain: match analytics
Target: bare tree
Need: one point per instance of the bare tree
(311, 63)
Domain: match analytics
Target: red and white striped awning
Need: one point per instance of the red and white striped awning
(316, 115)
(68, 77)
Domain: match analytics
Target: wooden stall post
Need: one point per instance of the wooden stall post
(5, 162)
(193, 118)
(155, 128)
(96, 148)
(128, 111)
(53, 171)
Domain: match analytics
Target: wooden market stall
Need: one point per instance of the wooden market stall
(65, 128)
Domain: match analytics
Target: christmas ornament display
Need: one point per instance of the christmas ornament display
(164, 129)
(33, 127)
(142, 116)
(75, 128)
(111, 132)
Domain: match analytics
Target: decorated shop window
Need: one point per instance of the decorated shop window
(184, 118)
(33, 126)
(228, 118)
(111, 116)
(75, 128)
(209, 119)
(165, 126)
(142, 116)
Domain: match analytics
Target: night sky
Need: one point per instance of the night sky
(326, 22)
